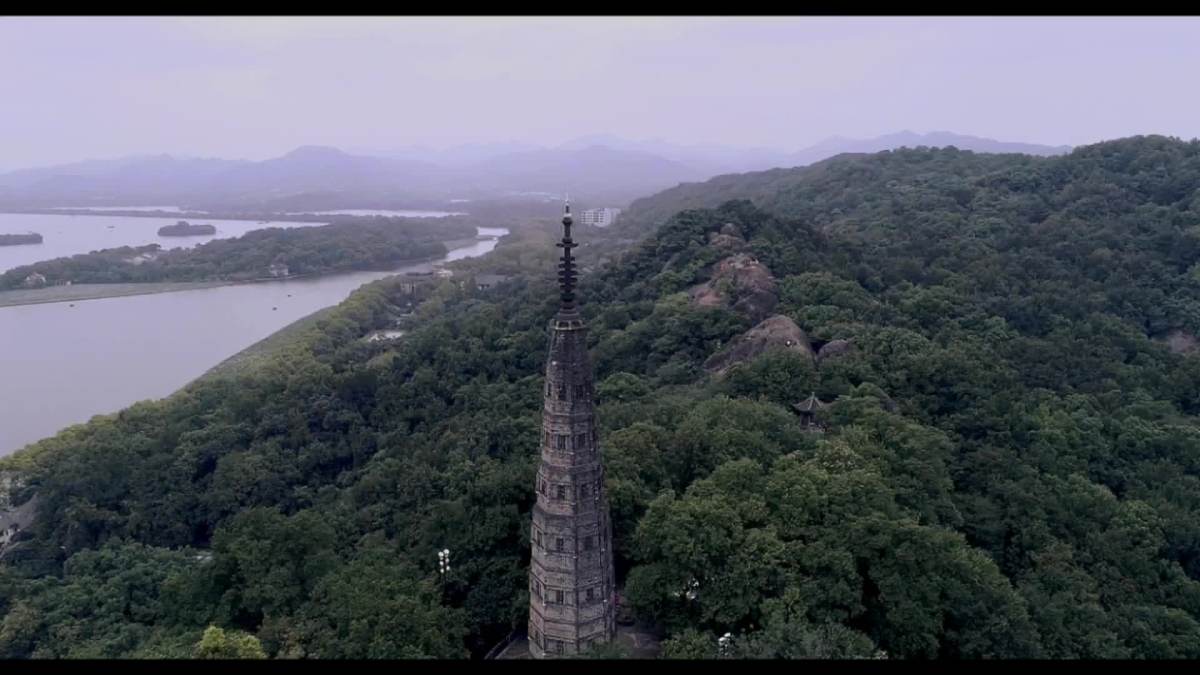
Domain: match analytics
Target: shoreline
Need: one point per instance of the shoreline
(280, 339)
(263, 218)
(54, 294)
(81, 292)
(178, 215)
(37, 429)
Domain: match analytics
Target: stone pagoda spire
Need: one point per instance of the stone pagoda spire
(571, 585)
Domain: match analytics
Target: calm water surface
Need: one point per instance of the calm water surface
(65, 235)
(60, 365)
(403, 213)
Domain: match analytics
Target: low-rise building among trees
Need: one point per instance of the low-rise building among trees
(808, 409)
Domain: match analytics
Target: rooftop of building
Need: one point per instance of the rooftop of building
(810, 404)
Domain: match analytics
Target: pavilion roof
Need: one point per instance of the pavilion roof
(811, 404)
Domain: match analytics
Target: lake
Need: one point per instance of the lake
(395, 213)
(65, 235)
(391, 213)
(60, 365)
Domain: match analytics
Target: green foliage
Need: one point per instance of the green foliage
(622, 387)
(782, 377)
(375, 608)
(108, 602)
(788, 634)
(348, 244)
(690, 644)
(219, 644)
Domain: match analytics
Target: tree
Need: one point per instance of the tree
(219, 644)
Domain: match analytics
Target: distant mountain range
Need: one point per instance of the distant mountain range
(718, 159)
(597, 168)
(837, 145)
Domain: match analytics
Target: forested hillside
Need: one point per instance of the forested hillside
(1010, 465)
(830, 188)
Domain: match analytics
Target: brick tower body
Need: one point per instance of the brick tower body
(571, 585)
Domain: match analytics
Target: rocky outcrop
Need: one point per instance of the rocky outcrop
(834, 349)
(1180, 342)
(728, 239)
(9, 485)
(13, 519)
(740, 282)
(776, 332)
(725, 242)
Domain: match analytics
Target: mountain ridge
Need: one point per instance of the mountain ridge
(602, 168)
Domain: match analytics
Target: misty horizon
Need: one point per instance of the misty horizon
(598, 168)
(509, 146)
(254, 88)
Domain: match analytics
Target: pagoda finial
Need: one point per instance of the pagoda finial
(566, 266)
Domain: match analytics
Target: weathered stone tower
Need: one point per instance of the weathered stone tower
(571, 593)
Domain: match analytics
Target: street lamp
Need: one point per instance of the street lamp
(690, 590)
(723, 643)
(444, 562)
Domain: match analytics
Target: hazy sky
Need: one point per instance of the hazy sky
(74, 88)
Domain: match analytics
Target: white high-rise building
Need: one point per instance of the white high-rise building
(599, 217)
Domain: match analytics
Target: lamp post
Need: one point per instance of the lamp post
(444, 562)
(690, 591)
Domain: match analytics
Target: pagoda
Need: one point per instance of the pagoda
(571, 584)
